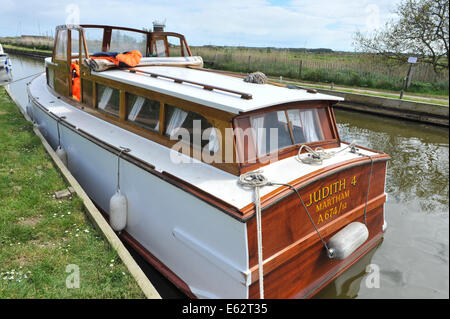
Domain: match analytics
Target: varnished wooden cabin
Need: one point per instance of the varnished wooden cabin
(189, 215)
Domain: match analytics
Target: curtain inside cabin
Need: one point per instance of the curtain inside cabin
(136, 108)
(213, 141)
(271, 132)
(272, 127)
(311, 129)
(259, 132)
(104, 99)
(176, 121)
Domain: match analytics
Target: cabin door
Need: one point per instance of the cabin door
(62, 68)
(75, 62)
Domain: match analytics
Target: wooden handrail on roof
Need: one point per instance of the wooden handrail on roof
(246, 96)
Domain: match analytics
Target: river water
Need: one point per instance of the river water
(413, 259)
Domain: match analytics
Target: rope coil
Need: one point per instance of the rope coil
(256, 77)
(318, 155)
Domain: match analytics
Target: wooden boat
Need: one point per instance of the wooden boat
(5, 67)
(215, 212)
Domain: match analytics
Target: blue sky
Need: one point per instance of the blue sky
(285, 23)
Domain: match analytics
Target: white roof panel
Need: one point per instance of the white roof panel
(263, 94)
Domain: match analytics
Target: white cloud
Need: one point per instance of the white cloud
(319, 23)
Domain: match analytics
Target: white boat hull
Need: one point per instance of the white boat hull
(204, 247)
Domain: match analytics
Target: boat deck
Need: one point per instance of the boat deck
(214, 181)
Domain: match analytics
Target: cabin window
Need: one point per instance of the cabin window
(276, 130)
(75, 44)
(94, 39)
(184, 49)
(176, 46)
(271, 131)
(143, 112)
(108, 99)
(305, 124)
(122, 41)
(177, 119)
(61, 45)
(159, 47)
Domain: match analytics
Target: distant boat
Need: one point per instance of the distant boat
(218, 179)
(5, 67)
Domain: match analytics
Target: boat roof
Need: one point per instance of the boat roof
(263, 95)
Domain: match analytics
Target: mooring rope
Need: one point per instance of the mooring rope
(330, 252)
(317, 155)
(25, 77)
(122, 150)
(354, 151)
(257, 180)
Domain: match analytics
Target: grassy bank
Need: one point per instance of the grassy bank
(438, 99)
(16, 47)
(41, 236)
(35, 43)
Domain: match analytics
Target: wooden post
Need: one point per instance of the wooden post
(406, 81)
(409, 76)
(403, 88)
(248, 66)
(300, 69)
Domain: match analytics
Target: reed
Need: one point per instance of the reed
(33, 42)
(345, 68)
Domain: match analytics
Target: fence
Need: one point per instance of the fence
(340, 68)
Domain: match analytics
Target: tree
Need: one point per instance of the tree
(422, 30)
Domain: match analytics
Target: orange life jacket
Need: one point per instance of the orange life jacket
(127, 59)
(131, 58)
(76, 93)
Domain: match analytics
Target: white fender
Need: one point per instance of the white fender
(348, 239)
(118, 208)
